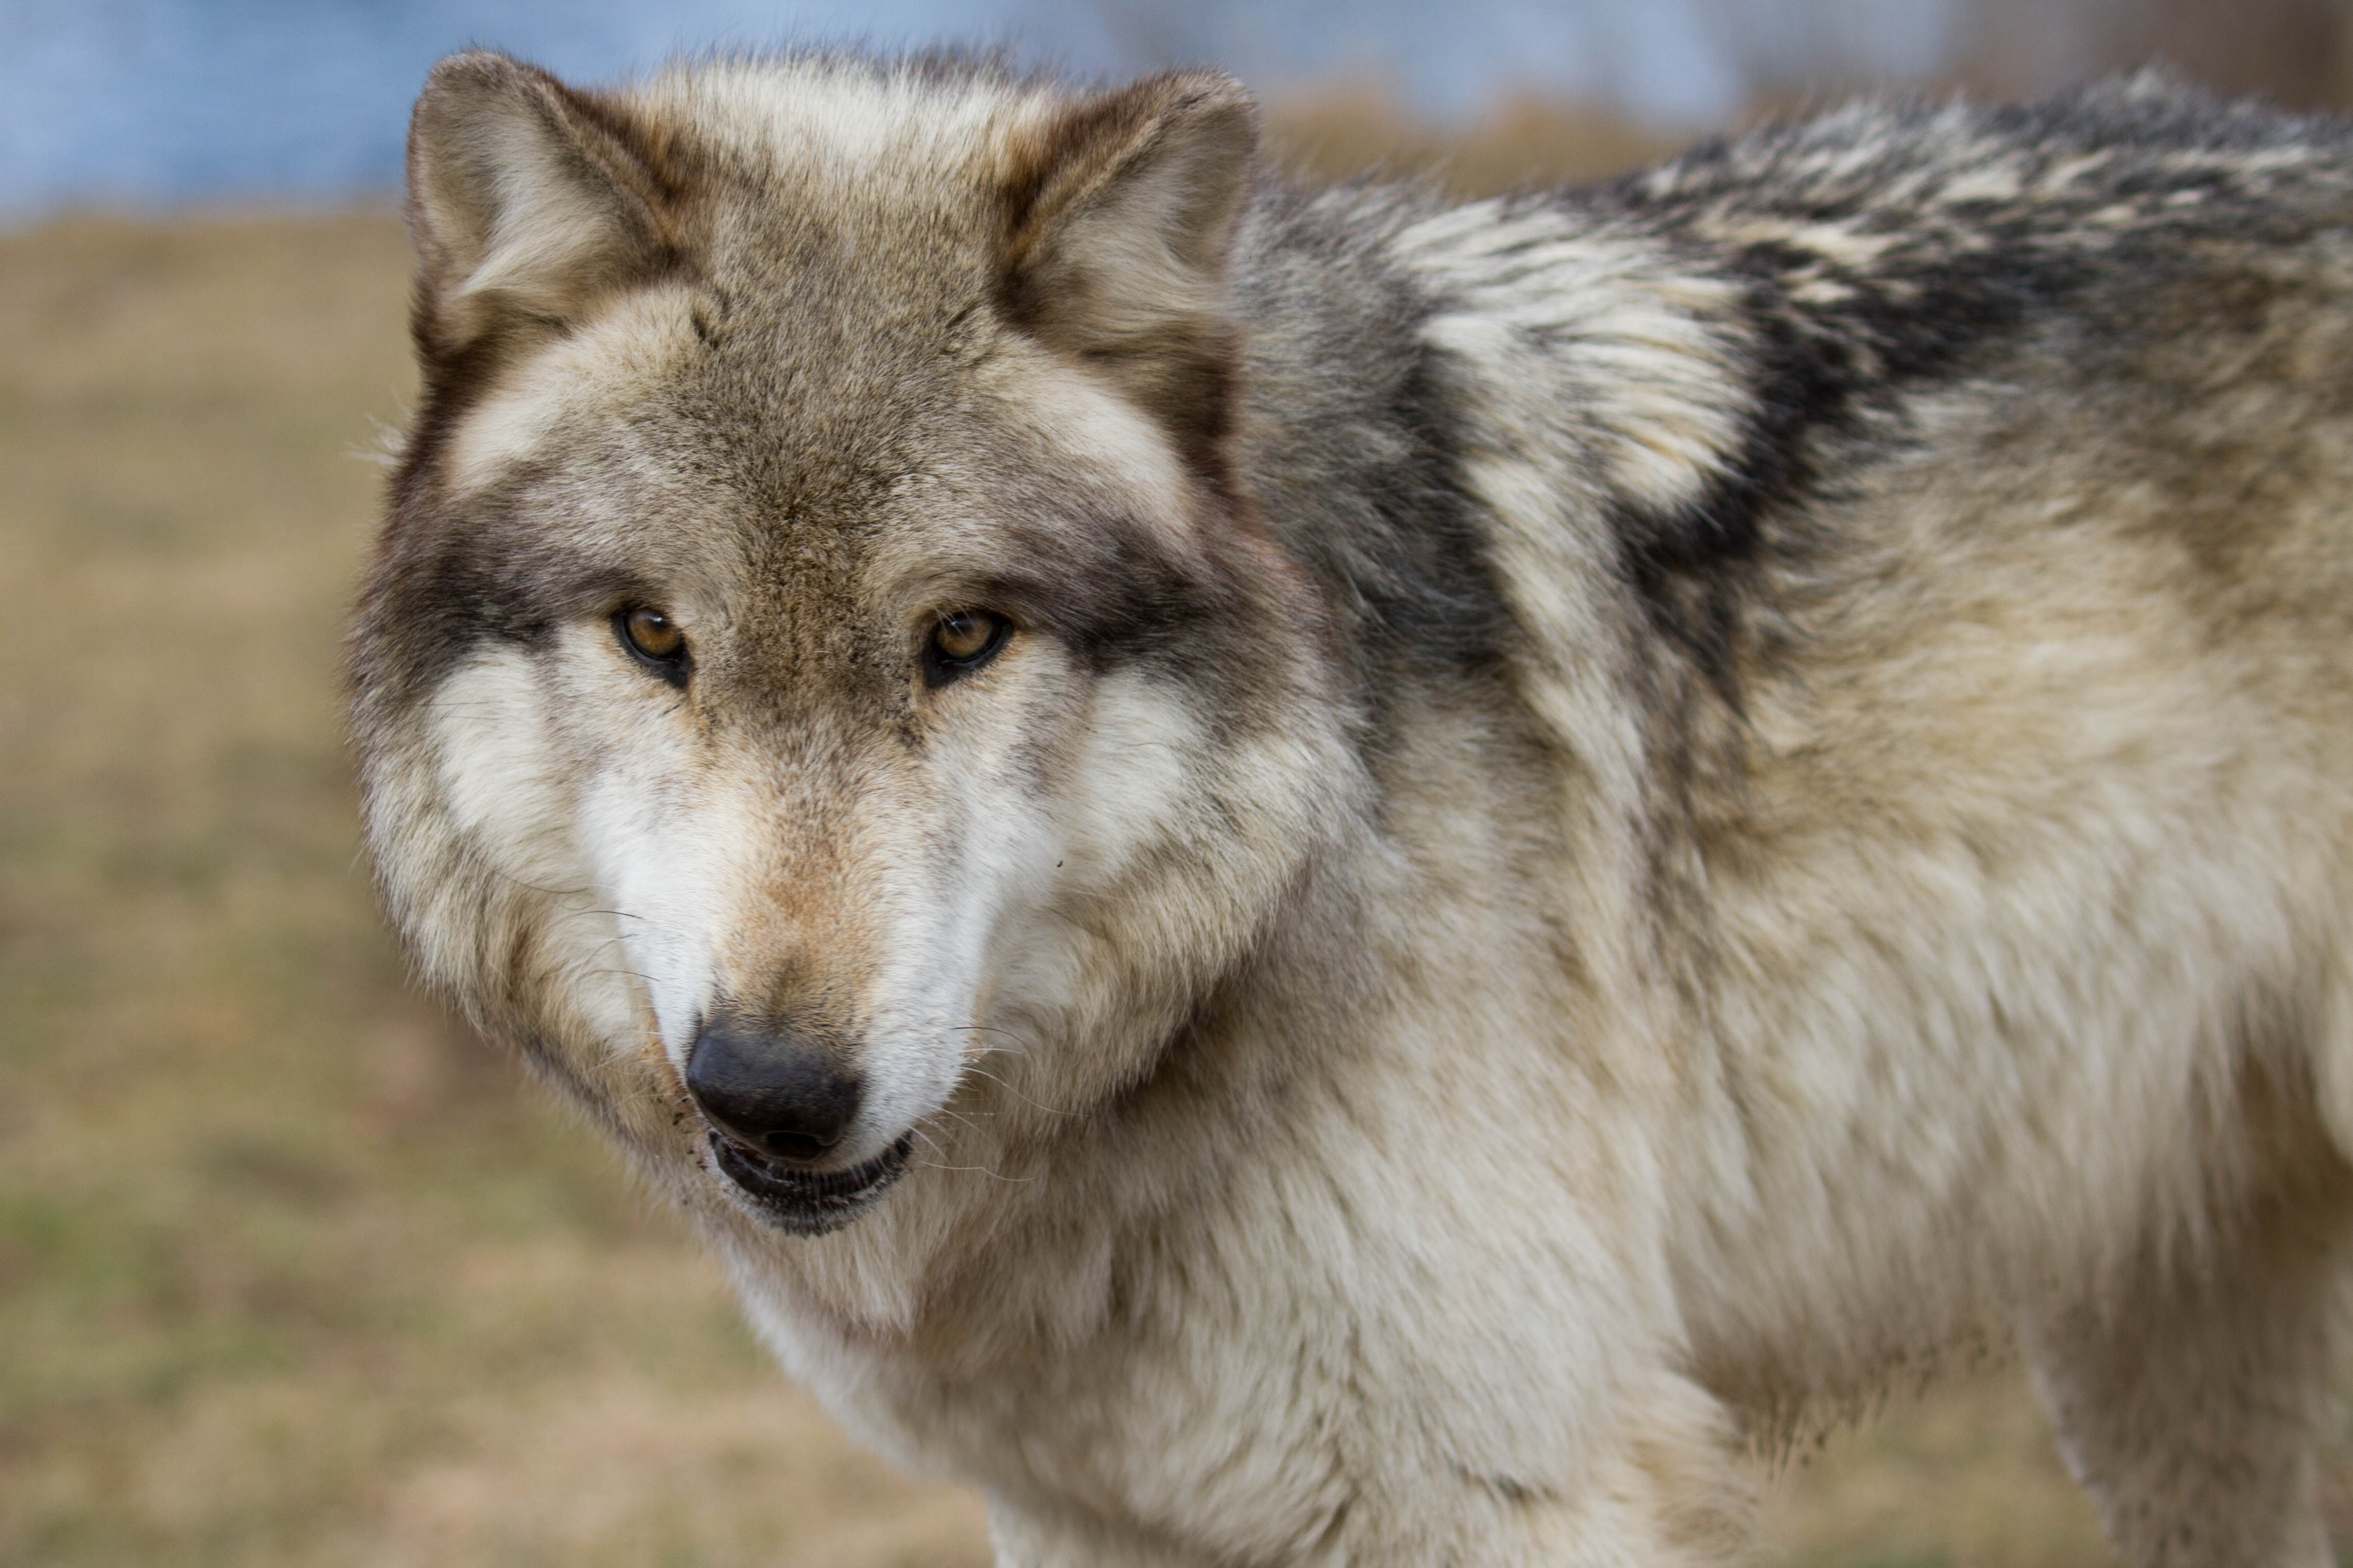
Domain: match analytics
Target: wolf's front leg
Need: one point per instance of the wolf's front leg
(1670, 1490)
(2188, 1403)
(1026, 1536)
(1666, 1490)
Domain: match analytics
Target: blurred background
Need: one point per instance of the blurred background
(293, 1270)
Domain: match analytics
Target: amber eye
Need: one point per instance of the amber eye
(655, 638)
(962, 642)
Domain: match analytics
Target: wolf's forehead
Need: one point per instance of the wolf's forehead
(841, 107)
(792, 388)
(828, 121)
(816, 232)
(829, 408)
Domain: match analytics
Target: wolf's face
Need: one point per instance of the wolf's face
(816, 665)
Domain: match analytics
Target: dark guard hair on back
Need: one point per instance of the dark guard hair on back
(1956, 274)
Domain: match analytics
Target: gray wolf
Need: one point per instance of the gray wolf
(1309, 877)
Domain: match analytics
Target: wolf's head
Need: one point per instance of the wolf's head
(818, 663)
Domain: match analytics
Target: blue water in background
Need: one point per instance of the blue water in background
(145, 103)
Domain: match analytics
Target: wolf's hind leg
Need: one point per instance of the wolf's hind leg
(2188, 1404)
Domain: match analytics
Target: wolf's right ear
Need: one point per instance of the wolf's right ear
(528, 200)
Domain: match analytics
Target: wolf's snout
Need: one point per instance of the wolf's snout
(774, 1091)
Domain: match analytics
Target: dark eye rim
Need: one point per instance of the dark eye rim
(674, 668)
(940, 669)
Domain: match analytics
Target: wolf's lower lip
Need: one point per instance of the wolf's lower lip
(810, 1203)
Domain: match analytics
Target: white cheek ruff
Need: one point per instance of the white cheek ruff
(503, 782)
(501, 773)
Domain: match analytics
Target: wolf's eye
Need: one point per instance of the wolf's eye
(656, 641)
(961, 642)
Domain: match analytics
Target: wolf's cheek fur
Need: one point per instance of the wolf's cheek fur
(1175, 847)
(1115, 806)
(470, 815)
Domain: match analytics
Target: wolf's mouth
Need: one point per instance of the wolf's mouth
(810, 1203)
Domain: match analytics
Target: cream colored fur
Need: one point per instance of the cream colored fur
(1545, 1127)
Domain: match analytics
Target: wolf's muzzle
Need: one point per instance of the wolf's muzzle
(808, 1203)
(776, 1092)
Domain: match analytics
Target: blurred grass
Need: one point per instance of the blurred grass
(293, 1271)
(1350, 128)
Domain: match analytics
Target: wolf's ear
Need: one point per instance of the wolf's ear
(1120, 215)
(527, 200)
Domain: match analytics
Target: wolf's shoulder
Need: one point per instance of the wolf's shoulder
(1662, 379)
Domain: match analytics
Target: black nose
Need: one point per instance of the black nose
(774, 1090)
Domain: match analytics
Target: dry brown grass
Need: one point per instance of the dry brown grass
(291, 1271)
(1349, 129)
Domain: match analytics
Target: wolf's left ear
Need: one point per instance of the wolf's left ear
(527, 201)
(1119, 215)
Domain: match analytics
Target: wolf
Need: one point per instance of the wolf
(1311, 877)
